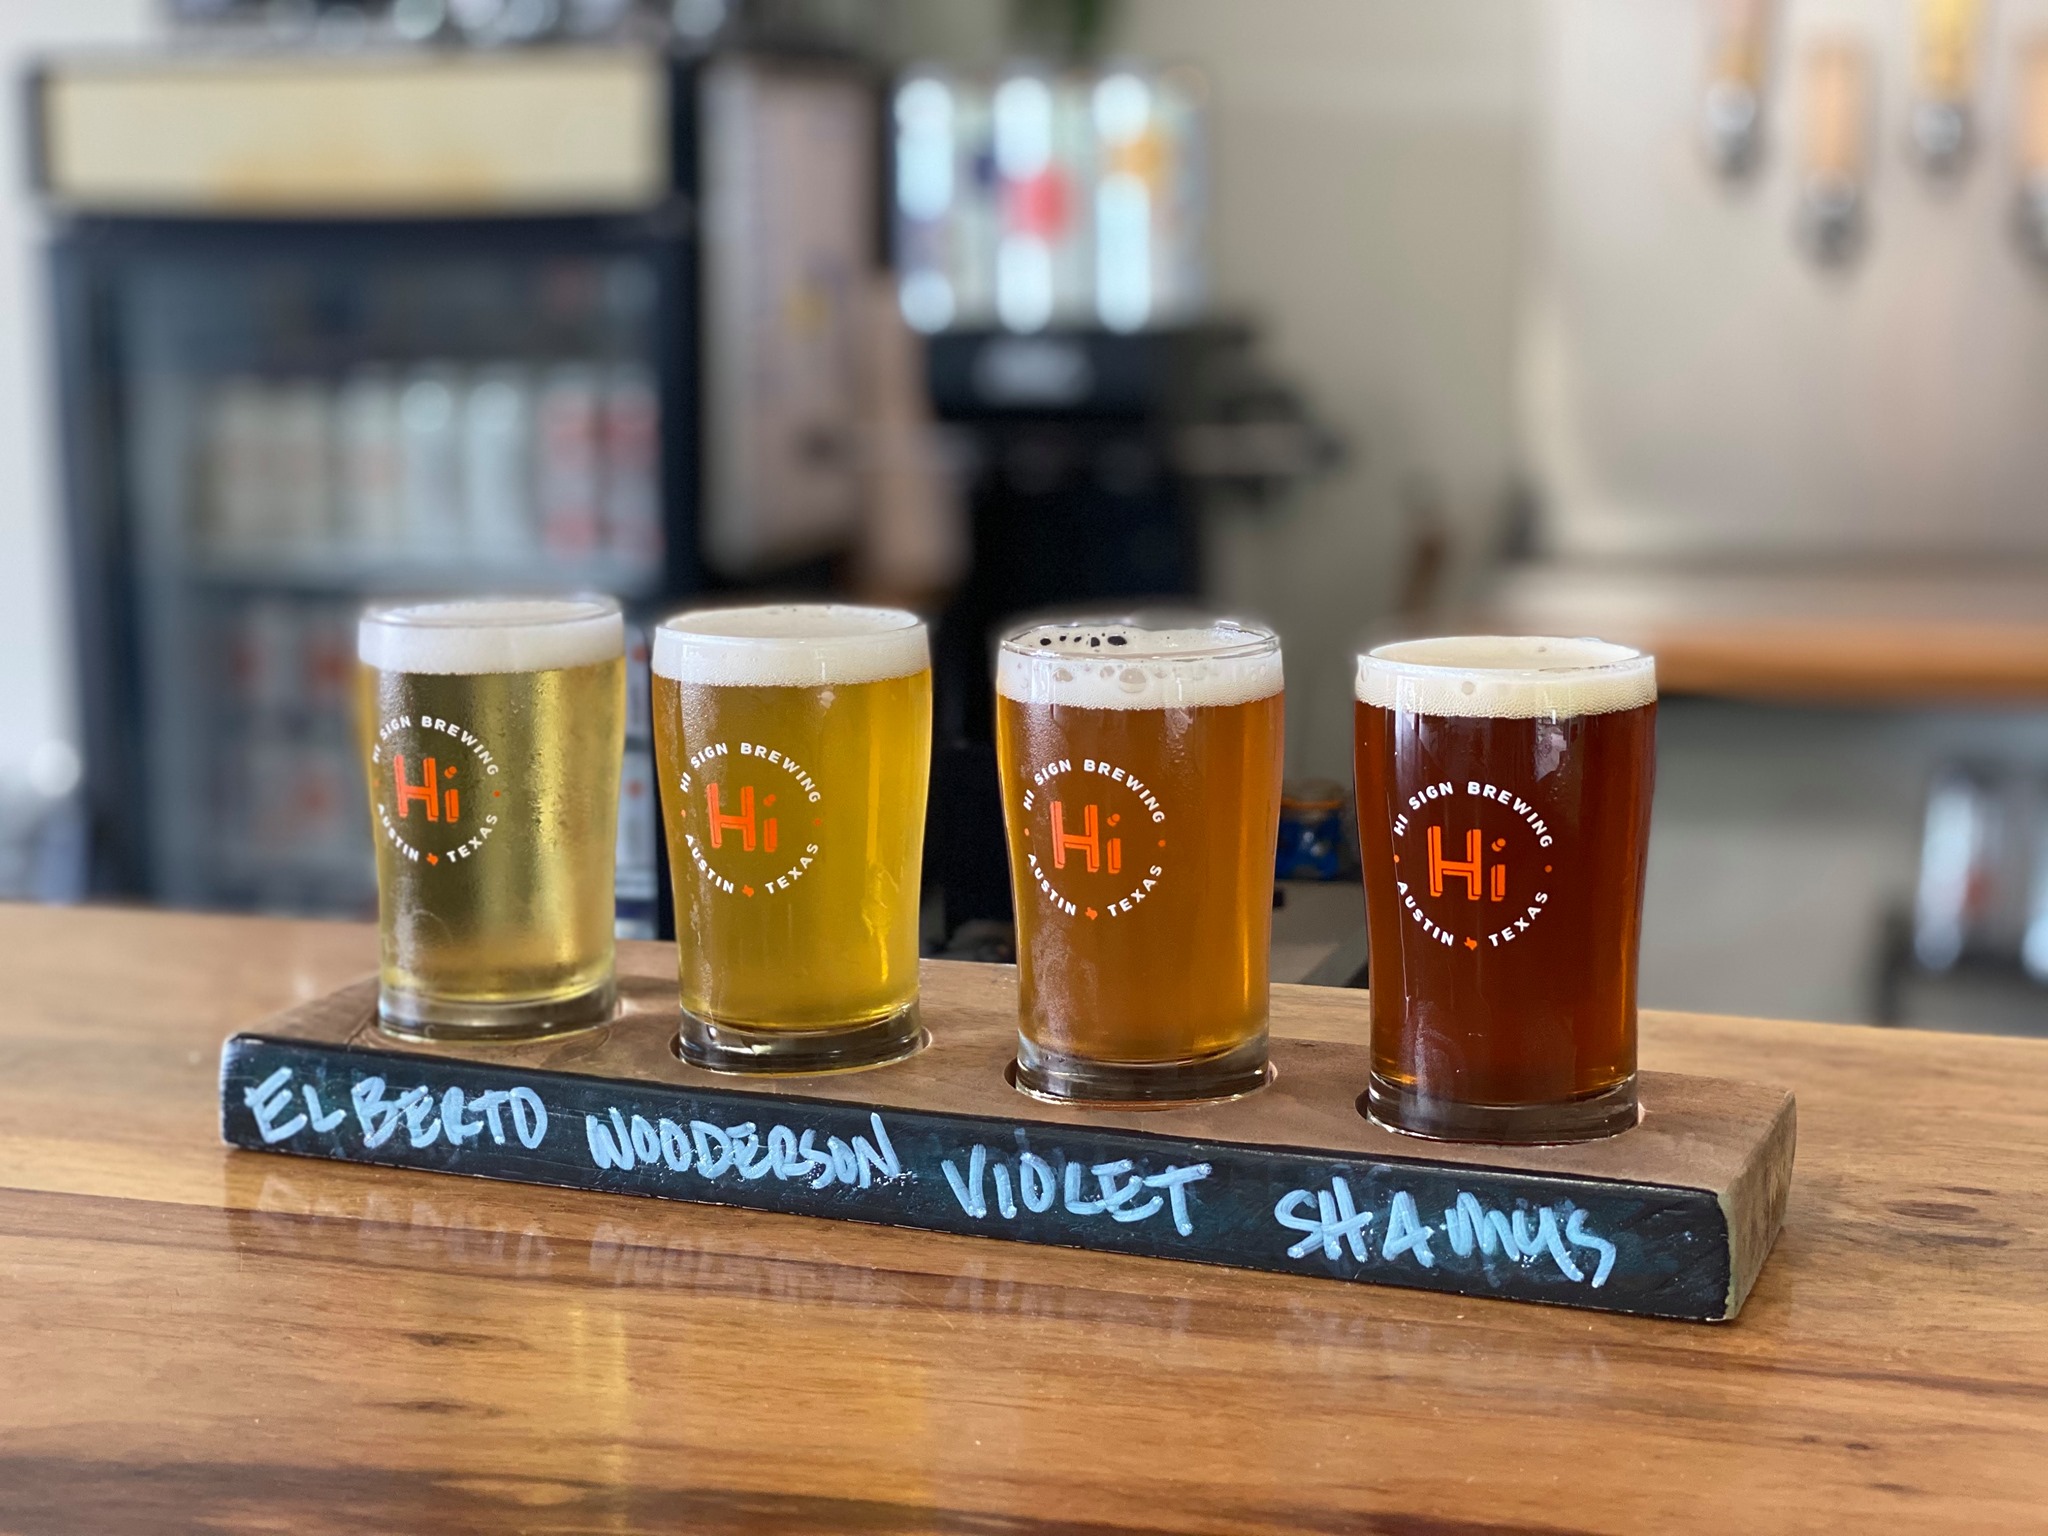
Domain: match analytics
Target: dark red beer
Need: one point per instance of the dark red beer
(1504, 813)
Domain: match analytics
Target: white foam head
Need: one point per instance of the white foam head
(791, 645)
(1123, 664)
(1507, 677)
(492, 634)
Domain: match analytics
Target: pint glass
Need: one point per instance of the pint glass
(493, 731)
(1141, 793)
(1504, 818)
(794, 748)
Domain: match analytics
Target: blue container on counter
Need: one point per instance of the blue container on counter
(1311, 831)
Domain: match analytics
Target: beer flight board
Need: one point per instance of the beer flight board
(1671, 1219)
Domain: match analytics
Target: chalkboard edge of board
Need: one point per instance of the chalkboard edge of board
(764, 1093)
(1710, 1200)
(1378, 1280)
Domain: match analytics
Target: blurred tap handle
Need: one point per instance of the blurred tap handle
(1949, 35)
(1731, 108)
(2033, 114)
(1837, 89)
(2031, 206)
(1945, 76)
(1833, 155)
(1738, 41)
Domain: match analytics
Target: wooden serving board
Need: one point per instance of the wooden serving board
(1671, 1219)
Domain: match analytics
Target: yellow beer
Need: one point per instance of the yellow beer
(492, 734)
(1141, 793)
(793, 744)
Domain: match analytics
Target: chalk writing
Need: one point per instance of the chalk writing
(451, 1116)
(1337, 1218)
(270, 1098)
(1411, 1222)
(424, 1116)
(1116, 1188)
(711, 1151)
(1330, 1220)
(1469, 1225)
(1406, 1233)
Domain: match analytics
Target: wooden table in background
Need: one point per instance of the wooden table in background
(1927, 635)
(197, 1339)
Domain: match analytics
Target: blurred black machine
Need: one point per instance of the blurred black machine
(1090, 456)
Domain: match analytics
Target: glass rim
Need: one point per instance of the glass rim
(901, 622)
(1629, 659)
(467, 612)
(1259, 639)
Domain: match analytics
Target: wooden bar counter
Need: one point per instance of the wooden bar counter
(1899, 635)
(198, 1339)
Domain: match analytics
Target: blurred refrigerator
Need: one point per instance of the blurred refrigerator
(338, 328)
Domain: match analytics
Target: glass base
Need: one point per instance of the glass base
(417, 1016)
(721, 1047)
(1065, 1079)
(1416, 1114)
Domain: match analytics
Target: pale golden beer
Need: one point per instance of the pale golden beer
(493, 731)
(793, 744)
(1141, 775)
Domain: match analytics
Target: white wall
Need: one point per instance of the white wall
(1696, 385)
(37, 717)
(1368, 174)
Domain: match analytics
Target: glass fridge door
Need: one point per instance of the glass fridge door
(298, 430)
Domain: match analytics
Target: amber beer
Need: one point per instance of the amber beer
(492, 733)
(794, 747)
(1504, 817)
(1141, 790)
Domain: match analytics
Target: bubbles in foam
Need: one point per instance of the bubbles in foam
(1090, 665)
(1507, 677)
(491, 634)
(791, 645)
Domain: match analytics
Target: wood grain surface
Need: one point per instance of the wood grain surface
(197, 1339)
(1888, 635)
